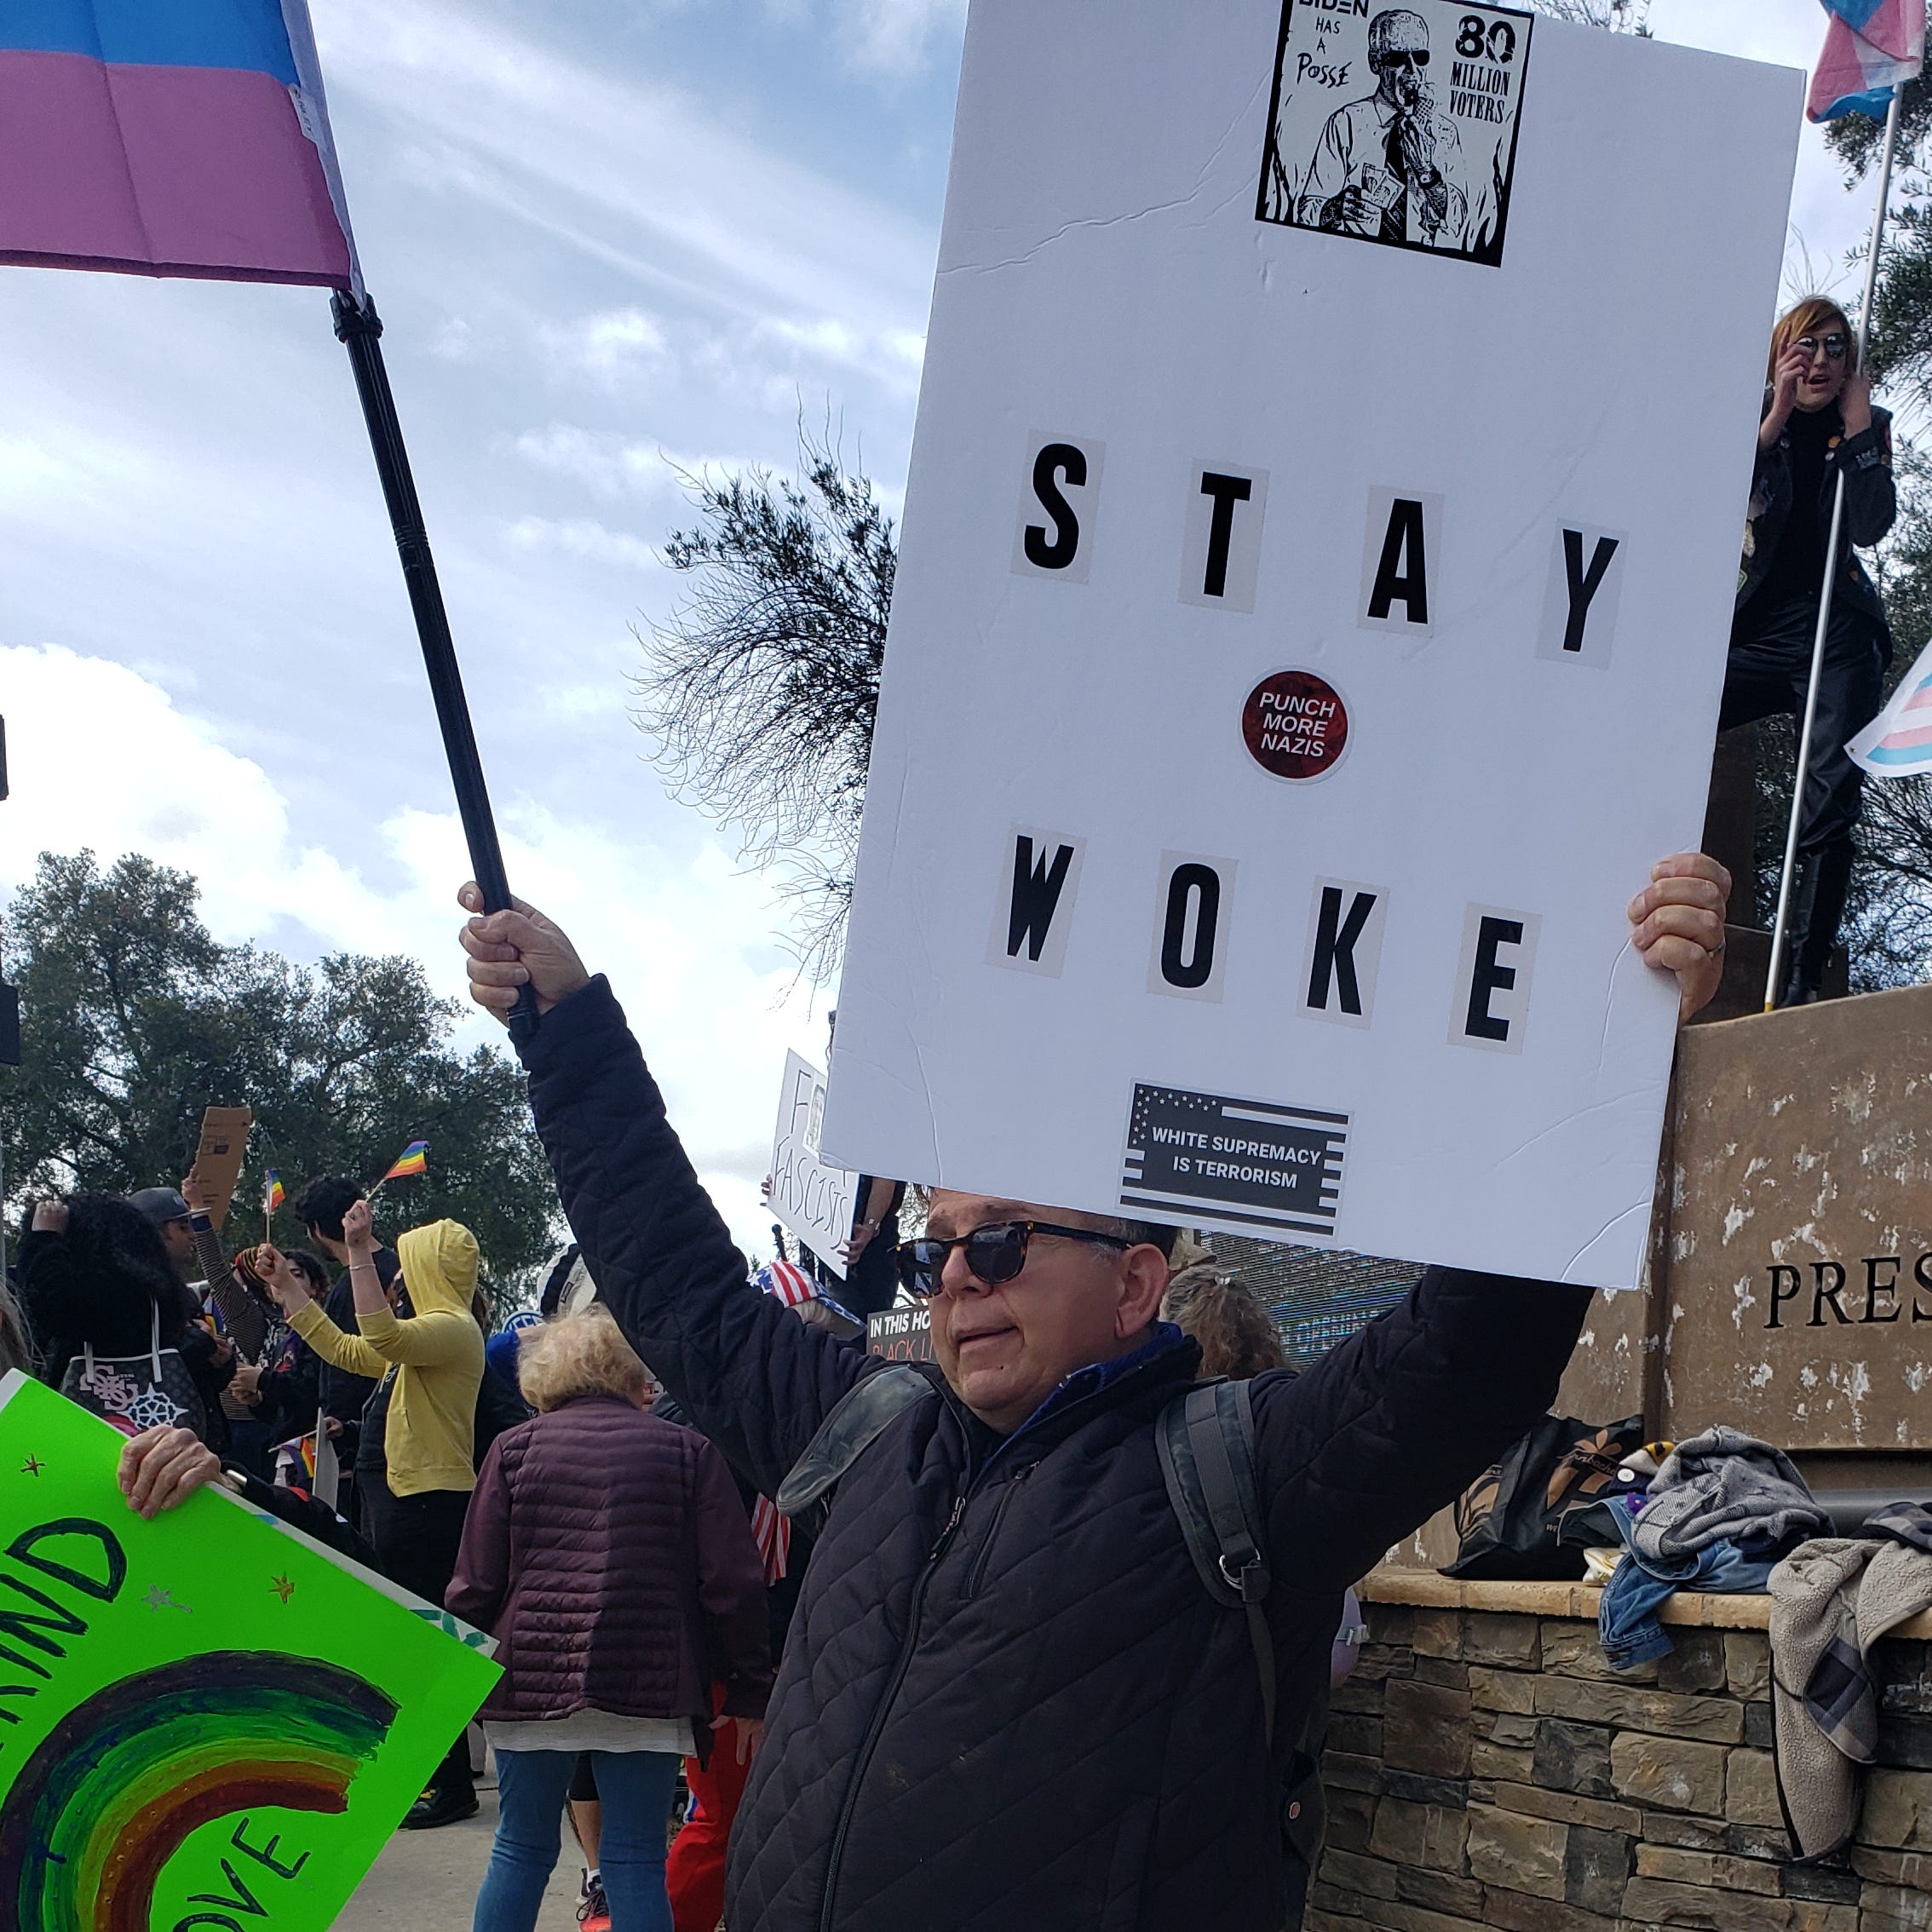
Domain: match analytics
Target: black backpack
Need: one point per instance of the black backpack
(1205, 1436)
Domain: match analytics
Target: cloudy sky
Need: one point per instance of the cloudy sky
(609, 241)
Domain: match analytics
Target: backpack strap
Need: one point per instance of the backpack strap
(857, 1420)
(1206, 1440)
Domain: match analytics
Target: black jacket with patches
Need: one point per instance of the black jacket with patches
(1007, 1703)
(1871, 506)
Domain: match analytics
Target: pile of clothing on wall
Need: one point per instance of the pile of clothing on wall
(1722, 1513)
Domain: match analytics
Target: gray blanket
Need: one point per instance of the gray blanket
(1724, 1483)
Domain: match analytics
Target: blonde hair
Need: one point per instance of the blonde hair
(579, 1354)
(1809, 318)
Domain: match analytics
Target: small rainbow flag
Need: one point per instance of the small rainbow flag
(272, 1194)
(1898, 743)
(412, 1160)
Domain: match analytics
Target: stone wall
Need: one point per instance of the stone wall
(1486, 1767)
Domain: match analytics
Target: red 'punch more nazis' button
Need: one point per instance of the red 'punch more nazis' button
(1296, 726)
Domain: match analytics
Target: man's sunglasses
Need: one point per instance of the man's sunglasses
(995, 1253)
(1406, 57)
(1833, 345)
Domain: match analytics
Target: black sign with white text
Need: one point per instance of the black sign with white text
(1282, 1163)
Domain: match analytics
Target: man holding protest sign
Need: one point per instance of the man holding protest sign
(1008, 1696)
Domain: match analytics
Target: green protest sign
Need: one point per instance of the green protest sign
(207, 1721)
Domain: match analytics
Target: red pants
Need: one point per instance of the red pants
(695, 1872)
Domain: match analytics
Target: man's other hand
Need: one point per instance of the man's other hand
(1677, 924)
(745, 1735)
(511, 949)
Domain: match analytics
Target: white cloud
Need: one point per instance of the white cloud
(897, 36)
(713, 1004)
(694, 205)
(615, 346)
(604, 460)
(583, 537)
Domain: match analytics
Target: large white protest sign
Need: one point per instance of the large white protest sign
(1318, 560)
(815, 1199)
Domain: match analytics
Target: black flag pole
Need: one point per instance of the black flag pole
(359, 329)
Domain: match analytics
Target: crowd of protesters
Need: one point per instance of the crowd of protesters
(985, 1580)
(996, 1689)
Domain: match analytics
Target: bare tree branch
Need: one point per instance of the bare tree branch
(760, 691)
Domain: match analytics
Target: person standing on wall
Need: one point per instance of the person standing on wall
(1819, 424)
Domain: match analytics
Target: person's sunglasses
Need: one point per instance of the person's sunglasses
(995, 1253)
(1833, 345)
(1406, 57)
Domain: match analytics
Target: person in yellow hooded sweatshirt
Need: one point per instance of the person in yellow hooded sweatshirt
(433, 1361)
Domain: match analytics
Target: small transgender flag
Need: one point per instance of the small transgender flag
(1871, 47)
(1898, 742)
(169, 137)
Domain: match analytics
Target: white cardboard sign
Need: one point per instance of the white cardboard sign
(812, 1198)
(1318, 562)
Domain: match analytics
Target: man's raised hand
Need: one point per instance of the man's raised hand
(1678, 925)
(511, 949)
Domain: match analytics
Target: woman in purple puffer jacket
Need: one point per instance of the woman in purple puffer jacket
(609, 1553)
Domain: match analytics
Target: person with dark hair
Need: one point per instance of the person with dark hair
(431, 1365)
(1007, 1698)
(319, 1205)
(1819, 425)
(290, 1396)
(245, 1324)
(117, 1326)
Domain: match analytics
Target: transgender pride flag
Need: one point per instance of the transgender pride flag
(1871, 47)
(169, 137)
(1898, 742)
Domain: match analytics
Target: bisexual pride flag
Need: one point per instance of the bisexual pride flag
(1871, 47)
(169, 137)
(1898, 742)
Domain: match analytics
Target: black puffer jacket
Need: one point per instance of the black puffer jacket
(1007, 1703)
(1871, 507)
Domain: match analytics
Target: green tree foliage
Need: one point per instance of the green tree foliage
(135, 1018)
(760, 690)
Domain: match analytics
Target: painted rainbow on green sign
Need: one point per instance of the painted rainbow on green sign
(116, 1788)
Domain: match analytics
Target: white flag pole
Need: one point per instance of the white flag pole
(1825, 600)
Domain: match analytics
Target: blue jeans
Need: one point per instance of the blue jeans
(636, 1787)
(1627, 1619)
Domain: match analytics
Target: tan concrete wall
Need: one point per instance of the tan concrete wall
(1798, 1287)
(1789, 1286)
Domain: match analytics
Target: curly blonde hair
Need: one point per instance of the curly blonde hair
(580, 1354)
